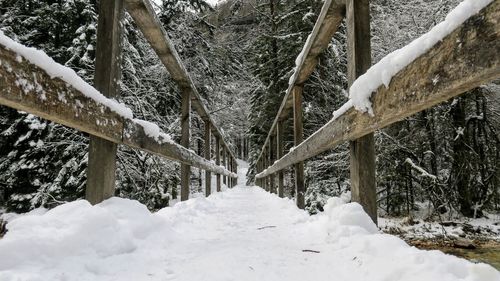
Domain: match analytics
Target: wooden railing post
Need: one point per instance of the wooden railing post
(258, 168)
(101, 171)
(279, 150)
(236, 171)
(261, 180)
(217, 161)
(300, 188)
(363, 185)
(229, 179)
(224, 163)
(272, 158)
(228, 166)
(185, 134)
(208, 148)
(231, 168)
(266, 164)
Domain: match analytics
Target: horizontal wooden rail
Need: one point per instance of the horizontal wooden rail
(465, 59)
(25, 86)
(146, 19)
(330, 17)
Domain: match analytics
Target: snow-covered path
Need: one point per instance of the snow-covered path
(239, 234)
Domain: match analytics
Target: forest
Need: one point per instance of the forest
(443, 161)
(250, 140)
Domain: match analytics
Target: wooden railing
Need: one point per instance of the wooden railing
(464, 59)
(65, 104)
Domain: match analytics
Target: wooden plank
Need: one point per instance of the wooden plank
(146, 19)
(185, 135)
(279, 148)
(447, 70)
(298, 134)
(328, 22)
(55, 100)
(101, 170)
(208, 150)
(217, 162)
(362, 150)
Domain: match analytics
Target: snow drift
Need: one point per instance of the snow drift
(241, 234)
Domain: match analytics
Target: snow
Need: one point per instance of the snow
(382, 72)
(242, 233)
(300, 57)
(421, 228)
(298, 61)
(152, 130)
(423, 173)
(53, 69)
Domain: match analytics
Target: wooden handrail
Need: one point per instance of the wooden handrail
(146, 19)
(447, 70)
(330, 17)
(25, 86)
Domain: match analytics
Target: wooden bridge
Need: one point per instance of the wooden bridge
(244, 233)
(466, 58)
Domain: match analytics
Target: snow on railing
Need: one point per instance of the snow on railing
(415, 77)
(35, 83)
(382, 72)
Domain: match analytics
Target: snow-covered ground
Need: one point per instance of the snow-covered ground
(480, 228)
(242, 233)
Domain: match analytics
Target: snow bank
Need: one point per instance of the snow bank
(243, 233)
(382, 72)
(53, 69)
(76, 229)
(346, 220)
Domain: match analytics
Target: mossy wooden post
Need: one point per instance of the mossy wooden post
(300, 188)
(279, 150)
(272, 158)
(208, 148)
(217, 161)
(185, 132)
(363, 185)
(101, 171)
